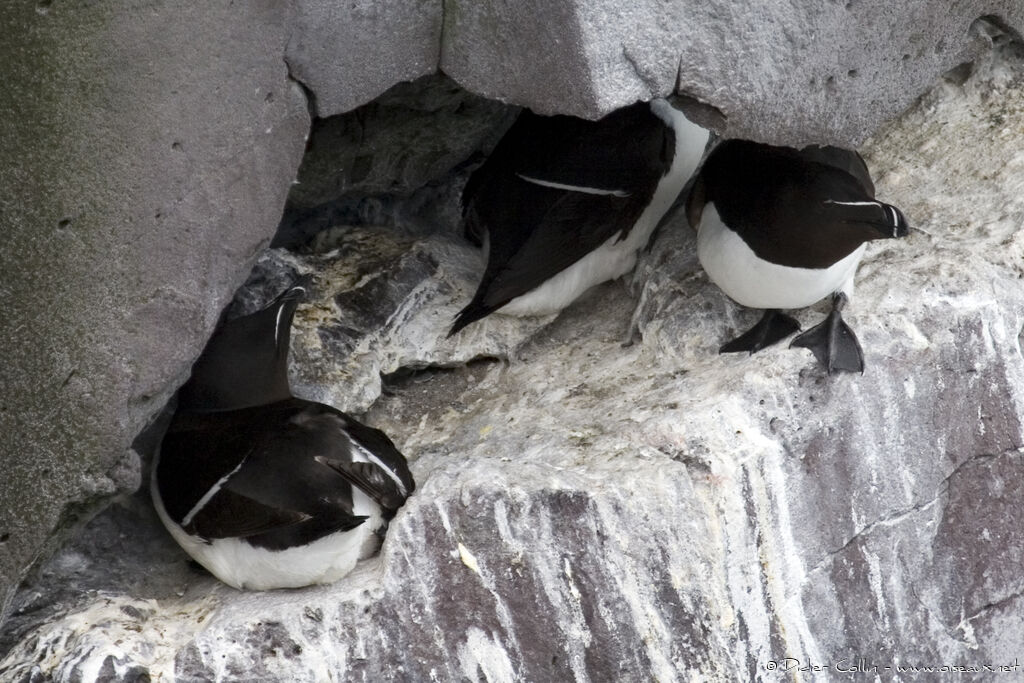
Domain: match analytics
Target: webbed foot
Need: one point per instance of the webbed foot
(832, 341)
(773, 327)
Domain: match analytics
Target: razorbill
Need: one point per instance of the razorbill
(263, 489)
(565, 203)
(781, 228)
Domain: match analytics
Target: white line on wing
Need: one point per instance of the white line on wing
(832, 201)
(573, 188)
(187, 519)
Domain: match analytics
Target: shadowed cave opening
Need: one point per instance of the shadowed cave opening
(399, 161)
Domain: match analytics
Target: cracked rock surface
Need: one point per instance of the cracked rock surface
(783, 72)
(347, 53)
(147, 153)
(591, 510)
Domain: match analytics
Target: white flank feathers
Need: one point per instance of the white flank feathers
(243, 566)
(753, 282)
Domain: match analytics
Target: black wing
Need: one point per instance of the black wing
(373, 481)
(537, 225)
(554, 229)
(378, 443)
(618, 152)
(269, 467)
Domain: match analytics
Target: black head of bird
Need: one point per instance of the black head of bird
(243, 365)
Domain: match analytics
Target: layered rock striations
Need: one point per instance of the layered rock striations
(147, 152)
(603, 497)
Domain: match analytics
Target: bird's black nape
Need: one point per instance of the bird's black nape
(245, 363)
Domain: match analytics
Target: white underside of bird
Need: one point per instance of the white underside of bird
(753, 282)
(616, 256)
(246, 567)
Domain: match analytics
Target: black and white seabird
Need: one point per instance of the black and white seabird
(781, 228)
(267, 490)
(564, 203)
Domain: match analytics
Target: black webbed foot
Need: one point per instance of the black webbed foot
(832, 341)
(773, 327)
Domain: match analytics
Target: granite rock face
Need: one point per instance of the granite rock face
(783, 72)
(347, 53)
(591, 510)
(147, 152)
(146, 158)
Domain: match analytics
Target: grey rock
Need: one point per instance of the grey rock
(145, 161)
(788, 73)
(592, 511)
(348, 53)
(896, 505)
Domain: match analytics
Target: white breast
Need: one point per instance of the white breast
(617, 257)
(756, 283)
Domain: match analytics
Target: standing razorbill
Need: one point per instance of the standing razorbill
(263, 489)
(565, 203)
(781, 228)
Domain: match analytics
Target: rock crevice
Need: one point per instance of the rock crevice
(588, 510)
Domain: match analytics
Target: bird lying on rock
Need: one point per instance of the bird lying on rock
(267, 490)
(565, 203)
(780, 228)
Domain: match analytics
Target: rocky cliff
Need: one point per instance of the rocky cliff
(601, 495)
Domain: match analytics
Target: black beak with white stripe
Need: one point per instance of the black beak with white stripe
(565, 203)
(263, 489)
(780, 228)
